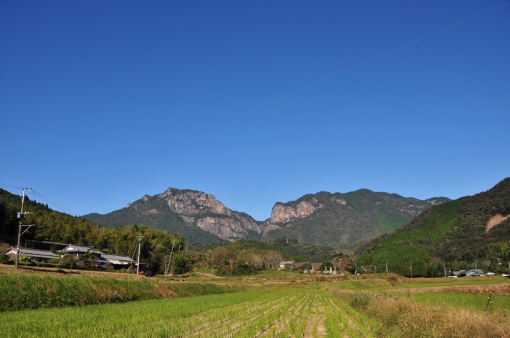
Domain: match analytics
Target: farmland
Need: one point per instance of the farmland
(295, 313)
(349, 306)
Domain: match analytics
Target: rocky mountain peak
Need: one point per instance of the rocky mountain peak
(286, 213)
(194, 203)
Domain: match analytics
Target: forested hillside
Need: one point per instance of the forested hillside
(54, 226)
(343, 220)
(459, 233)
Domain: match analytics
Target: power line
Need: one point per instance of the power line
(40, 196)
(10, 186)
(51, 201)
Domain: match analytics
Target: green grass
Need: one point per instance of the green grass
(364, 284)
(245, 314)
(22, 291)
(463, 300)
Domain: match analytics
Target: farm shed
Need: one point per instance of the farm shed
(116, 260)
(32, 253)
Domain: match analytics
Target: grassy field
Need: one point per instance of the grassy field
(481, 302)
(273, 304)
(33, 289)
(295, 313)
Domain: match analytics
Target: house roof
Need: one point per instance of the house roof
(71, 248)
(467, 273)
(300, 264)
(33, 253)
(316, 266)
(116, 259)
(475, 272)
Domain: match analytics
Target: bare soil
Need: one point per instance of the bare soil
(495, 220)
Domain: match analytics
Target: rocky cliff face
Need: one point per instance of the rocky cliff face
(206, 212)
(283, 214)
(202, 210)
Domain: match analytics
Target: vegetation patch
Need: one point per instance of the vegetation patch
(290, 313)
(23, 291)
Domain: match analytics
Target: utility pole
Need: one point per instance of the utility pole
(411, 268)
(169, 260)
(444, 266)
(21, 216)
(386, 268)
(138, 262)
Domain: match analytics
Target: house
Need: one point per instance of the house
(41, 255)
(286, 265)
(117, 261)
(80, 250)
(468, 273)
(316, 267)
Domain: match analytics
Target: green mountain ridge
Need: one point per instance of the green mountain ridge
(455, 231)
(344, 220)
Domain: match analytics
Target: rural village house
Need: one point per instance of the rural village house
(117, 261)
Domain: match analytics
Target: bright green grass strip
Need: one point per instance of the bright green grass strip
(461, 300)
(118, 320)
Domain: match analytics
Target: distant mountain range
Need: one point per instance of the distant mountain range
(335, 220)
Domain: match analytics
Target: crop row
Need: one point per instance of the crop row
(296, 313)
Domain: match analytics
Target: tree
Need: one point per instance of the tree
(217, 255)
(307, 266)
(182, 263)
(337, 263)
(327, 265)
(272, 260)
(24, 259)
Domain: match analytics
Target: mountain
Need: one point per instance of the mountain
(324, 219)
(470, 229)
(197, 216)
(343, 220)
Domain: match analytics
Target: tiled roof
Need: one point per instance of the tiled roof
(116, 259)
(34, 253)
(79, 249)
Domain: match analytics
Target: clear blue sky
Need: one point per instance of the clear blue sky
(102, 102)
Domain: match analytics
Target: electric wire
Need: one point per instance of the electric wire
(39, 196)
(51, 201)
